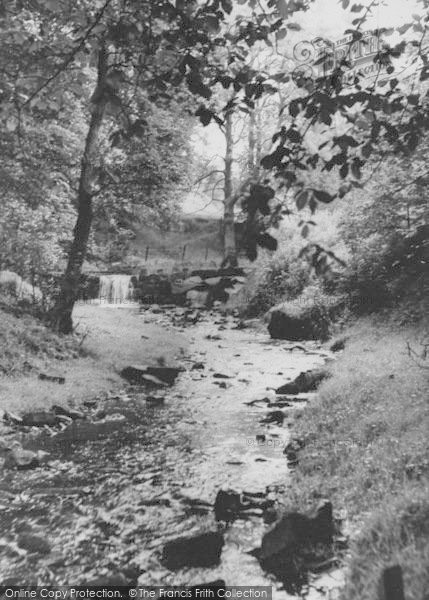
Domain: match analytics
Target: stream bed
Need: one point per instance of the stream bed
(136, 474)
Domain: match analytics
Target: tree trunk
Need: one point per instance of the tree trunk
(251, 158)
(70, 283)
(229, 245)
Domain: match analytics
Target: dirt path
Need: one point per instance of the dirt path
(126, 480)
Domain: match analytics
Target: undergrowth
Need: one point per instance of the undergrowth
(367, 450)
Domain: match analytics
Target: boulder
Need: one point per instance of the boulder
(307, 381)
(295, 530)
(287, 537)
(338, 345)
(305, 318)
(274, 416)
(228, 504)
(68, 412)
(19, 458)
(33, 543)
(141, 374)
(53, 378)
(39, 418)
(202, 550)
(290, 324)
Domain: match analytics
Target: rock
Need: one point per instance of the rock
(338, 345)
(155, 400)
(197, 366)
(305, 382)
(213, 587)
(275, 416)
(221, 376)
(39, 419)
(19, 458)
(220, 384)
(53, 378)
(291, 450)
(227, 505)
(290, 324)
(11, 418)
(33, 543)
(144, 374)
(68, 412)
(202, 550)
(295, 530)
(305, 318)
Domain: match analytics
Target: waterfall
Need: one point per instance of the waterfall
(115, 289)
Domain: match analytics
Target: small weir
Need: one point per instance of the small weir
(115, 289)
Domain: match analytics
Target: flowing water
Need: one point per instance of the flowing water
(115, 289)
(142, 475)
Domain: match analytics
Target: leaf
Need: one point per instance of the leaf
(280, 35)
(322, 196)
(404, 28)
(293, 135)
(283, 9)
(226, 5)
(357, 7)
(305, 231)
(294, 108)
(301, 199)
(204, 115)
(265, 240)
(212, 23)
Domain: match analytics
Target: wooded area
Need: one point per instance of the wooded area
(222, 167)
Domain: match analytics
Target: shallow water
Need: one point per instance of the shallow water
(120, 488)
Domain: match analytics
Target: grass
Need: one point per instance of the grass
(113, 339)
(367, 451)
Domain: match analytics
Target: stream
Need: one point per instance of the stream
(135, 475)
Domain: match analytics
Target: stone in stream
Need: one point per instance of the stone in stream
(141, 374)
(39, 418)
(19, 458)
(68, 412)
(338, 345)
(53, 378)
(228, 504)
(290, 535)
(275, 416)
(155, 400)
(307, 381)
(202, 550)
(197, 366)
(33, 543)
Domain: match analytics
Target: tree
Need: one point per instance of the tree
(118, 47)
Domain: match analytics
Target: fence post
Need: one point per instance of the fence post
(391, 586)
(207, 253)
(184, 252)
(147, 253)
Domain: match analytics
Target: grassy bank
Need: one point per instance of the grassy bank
(107, 340)
(367, 450)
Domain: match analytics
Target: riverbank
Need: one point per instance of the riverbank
(106, 341)
(366, 450)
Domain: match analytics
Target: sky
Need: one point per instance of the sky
(325, 18)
